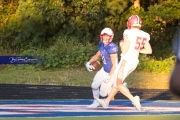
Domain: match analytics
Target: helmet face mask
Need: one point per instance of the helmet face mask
(134, 20)
(107, 31)
(105, 39)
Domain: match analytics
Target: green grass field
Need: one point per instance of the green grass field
(79, 77)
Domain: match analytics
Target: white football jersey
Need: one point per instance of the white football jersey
(137, 40)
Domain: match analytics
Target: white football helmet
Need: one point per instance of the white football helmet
(107, 31)
(134, 20)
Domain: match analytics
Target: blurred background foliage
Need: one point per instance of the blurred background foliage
(66, 32)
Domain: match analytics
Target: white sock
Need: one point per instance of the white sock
(95, 93)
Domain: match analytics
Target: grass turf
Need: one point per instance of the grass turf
(80, 77)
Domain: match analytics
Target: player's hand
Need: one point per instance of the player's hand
(89, 67)
(107, 79)
(121, 42)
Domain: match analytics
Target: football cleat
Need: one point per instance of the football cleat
(136, 103)
(95, 104)
(103, 103)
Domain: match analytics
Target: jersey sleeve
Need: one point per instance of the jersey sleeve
(113, 49)
(125, 34)
(148, 37)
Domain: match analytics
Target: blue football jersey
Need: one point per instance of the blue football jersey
(106, 51)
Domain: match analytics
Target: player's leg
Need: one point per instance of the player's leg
(105, 90)
(105, 102)
(106, 86)
(123, 89)
(95, 87)
(122, 74)
(134, 99)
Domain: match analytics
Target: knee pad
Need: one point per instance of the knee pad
(94, 86)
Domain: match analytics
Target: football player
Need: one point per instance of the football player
(134, 41)
(108, 52)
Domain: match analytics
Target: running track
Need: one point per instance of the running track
(67, 108)
(24, 101)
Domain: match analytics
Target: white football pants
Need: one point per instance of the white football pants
(129, 67)
(105, 88)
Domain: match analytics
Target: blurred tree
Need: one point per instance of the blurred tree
(137, 4)
(29, 23)
(7, 10)
(161, 21)
(114, 10)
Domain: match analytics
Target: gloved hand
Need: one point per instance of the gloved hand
(107, 79)
(89, 67)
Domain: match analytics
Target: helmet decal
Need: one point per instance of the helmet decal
(134, 20)
(138, 19)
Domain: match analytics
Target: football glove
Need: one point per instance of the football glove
(89, 67)
(107, 79)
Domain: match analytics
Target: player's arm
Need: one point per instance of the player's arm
(114, 60)
(126, 42)
(147, 49)
(125, 46)
(95, 57)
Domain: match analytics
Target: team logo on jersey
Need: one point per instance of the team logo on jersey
(114, 50)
